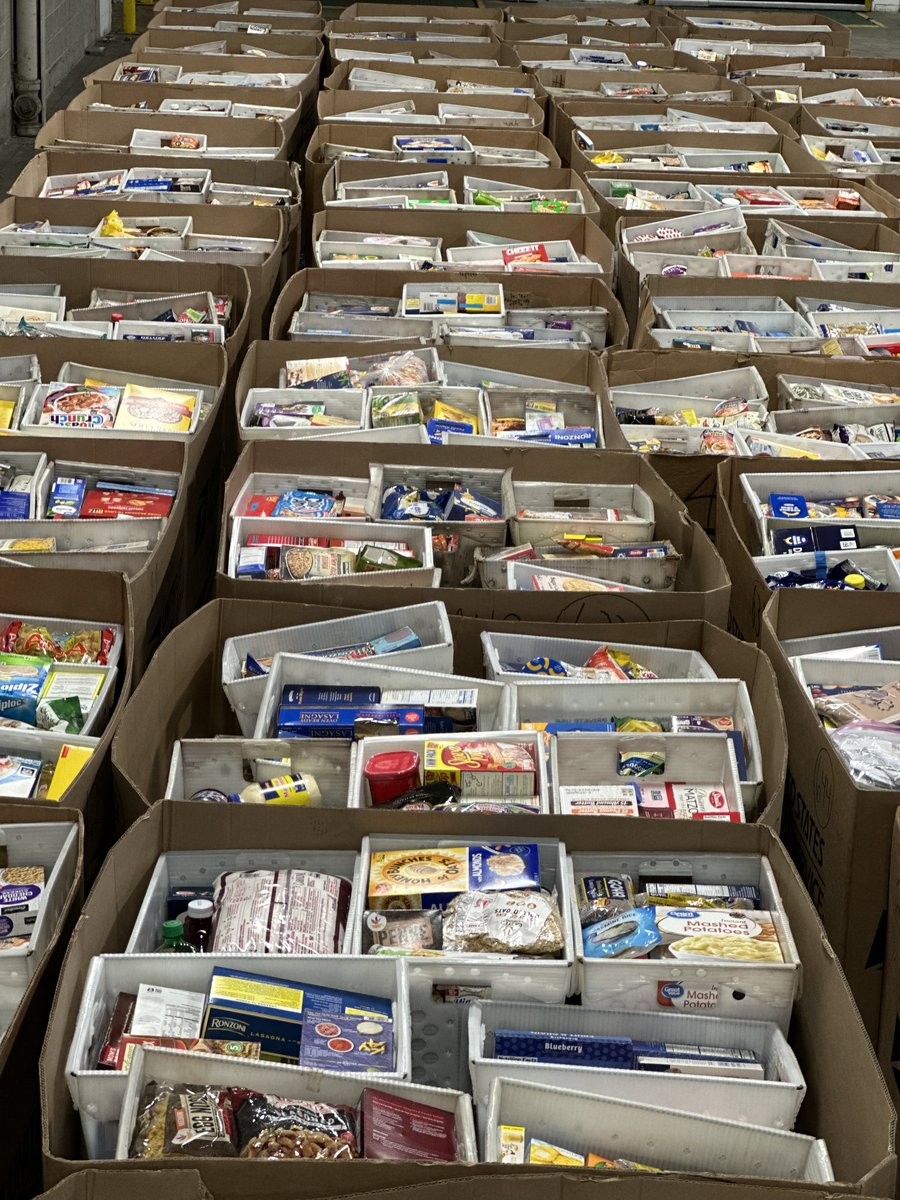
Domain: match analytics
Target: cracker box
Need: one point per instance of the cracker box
(430, 878)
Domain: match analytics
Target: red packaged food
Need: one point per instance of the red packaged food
(261, 506)
(396, 1130)
(101, 505)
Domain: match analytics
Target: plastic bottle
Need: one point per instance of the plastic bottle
(174, 941)
(283, 789)
(198, 930)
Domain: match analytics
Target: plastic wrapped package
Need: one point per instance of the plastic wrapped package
(274, 1127)
(871, 752)
(184, 1120)
(514, 922)
(280, 912)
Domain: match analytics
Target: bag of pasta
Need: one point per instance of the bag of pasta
(276, 1127)
(181, 1120)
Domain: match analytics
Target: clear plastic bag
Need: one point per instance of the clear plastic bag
(871, 752)
(274, 1127)
(514, 922)
(184, 1120)
(280, 912)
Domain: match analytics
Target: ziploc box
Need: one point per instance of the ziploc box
(258, 1008)
(431, 878)
(576, 1049)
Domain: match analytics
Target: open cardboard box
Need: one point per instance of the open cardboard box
(441, 74)
(831, 33)
(839, 834)
(566, 116)
(543, 1185)
(308, 8)
(220, 221)
(362, 52)
(737, 533)
(380, 137)
(541, 179)
(847, 1104)
(890, 993)
(453, 228)
(283, 24)
(96, 597)
(740, 147)
(78, 278)
(524, 113)
(414, 13)
(254, 172)
(129, 94)
(284, 45)
(81, 129)
(520, 291)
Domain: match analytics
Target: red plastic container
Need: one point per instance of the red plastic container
(391, 774)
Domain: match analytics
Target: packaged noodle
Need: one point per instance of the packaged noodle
(184, 1121)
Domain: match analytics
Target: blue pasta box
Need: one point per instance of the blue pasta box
(329, 697)
(350, 722)
(803, 539)
(888, 510)
(789, 506)
(347, 1042)
(259, 1008)
(66, 497)
(16, 506)
(564, 1049)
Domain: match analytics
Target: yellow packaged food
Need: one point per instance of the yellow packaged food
(446, 412)
(45, 545)
(112, 226)
(155, 409)
(546, 1154)
(7, 411)
(68, 765)
(512, 1144)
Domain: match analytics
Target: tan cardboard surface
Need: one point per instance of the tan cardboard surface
(847, 1103)
(506, 77)
(839, 835)
(332, 104)
(889, 1025)
(115, 130)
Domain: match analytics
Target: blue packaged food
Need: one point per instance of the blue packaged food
(631, 934)
(305, 504)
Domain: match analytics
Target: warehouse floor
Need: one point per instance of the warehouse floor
(873, 34)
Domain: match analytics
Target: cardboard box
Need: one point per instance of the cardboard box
(413, 13)
(567, 115)
(257, 172)
(283, 45)
(307, 8)
(844, 1085)
(834, 36)
(20, 1045)
(453, 228)
(130, 94)
(380, 137)
(736, 533)
(305, 24)
(492, 53)
(539, 1183)
(839, 835)
(888, 1053)
(220, 221)
(77, 279)
(744, 146)
(524, 113)
(502, 77)
(539, 178)
(521, 291)
(79, 129)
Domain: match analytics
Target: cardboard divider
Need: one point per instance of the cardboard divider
(846, 1103)
(839, 834)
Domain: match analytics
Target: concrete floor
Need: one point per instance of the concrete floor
(872, 35)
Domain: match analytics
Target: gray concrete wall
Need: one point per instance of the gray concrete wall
(5, 68)
(68, 28)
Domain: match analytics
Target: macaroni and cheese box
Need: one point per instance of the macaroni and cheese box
(258, 1008)
(430, 878)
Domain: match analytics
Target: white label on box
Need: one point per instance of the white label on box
(167, 1012)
